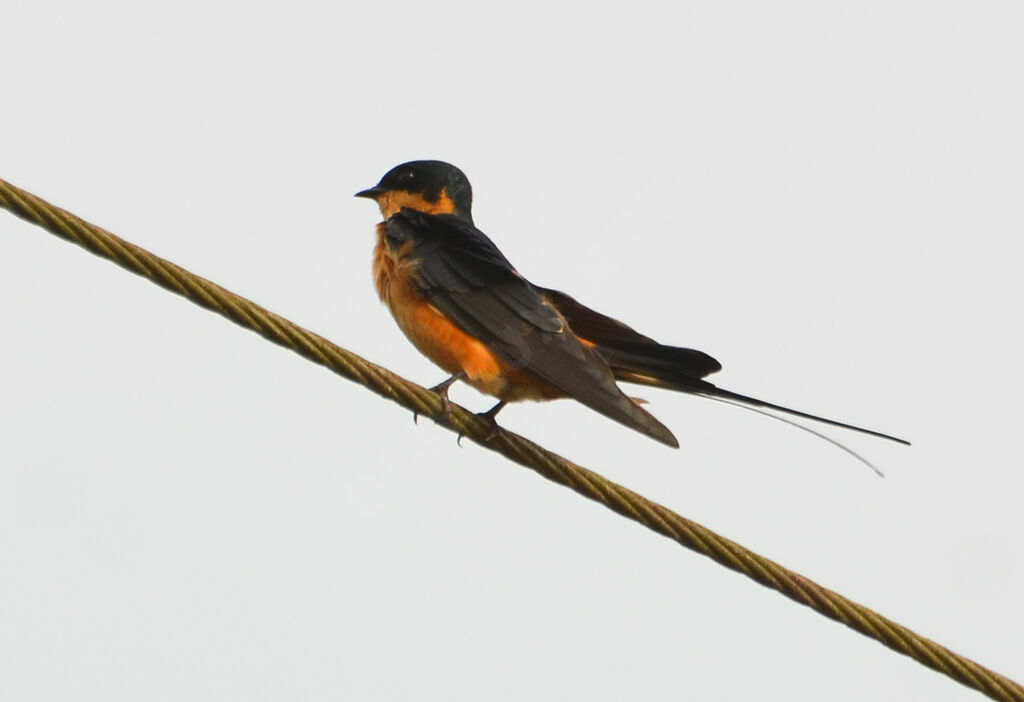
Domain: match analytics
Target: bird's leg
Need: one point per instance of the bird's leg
(490, 416)
(442, 390)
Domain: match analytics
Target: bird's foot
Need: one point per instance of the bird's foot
(442, 390)
(490, 416)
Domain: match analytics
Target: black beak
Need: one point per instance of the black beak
(372, 193)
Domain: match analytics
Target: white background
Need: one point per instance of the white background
(825, 198)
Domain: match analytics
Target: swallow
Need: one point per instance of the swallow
(466, 308)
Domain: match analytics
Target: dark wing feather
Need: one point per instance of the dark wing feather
(635, 358)
(626, 349)
(462, 273)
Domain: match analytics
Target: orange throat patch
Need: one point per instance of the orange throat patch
(393, 201)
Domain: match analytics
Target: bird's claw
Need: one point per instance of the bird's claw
(490, 416)
(442, 391)
(446, 404)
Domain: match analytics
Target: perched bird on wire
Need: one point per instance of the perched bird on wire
(467, 309)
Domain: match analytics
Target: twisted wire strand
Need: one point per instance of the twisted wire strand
(591, 485)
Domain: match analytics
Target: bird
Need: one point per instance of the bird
(465, 307)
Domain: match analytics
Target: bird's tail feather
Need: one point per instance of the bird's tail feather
(705, 389)
(752, 402)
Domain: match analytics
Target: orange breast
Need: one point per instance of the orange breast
(440, 339)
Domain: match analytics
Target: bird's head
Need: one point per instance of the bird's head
(434, 187)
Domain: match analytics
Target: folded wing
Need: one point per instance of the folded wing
(462, 273)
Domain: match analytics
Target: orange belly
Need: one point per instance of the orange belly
(442, 341)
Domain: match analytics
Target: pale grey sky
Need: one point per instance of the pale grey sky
(826, 198)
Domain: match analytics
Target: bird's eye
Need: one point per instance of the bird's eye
(406, 176)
